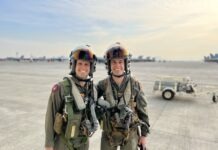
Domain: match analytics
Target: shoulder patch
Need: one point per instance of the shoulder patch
(55, 88)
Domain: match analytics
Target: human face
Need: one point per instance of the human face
(82, 68)
(117, 66)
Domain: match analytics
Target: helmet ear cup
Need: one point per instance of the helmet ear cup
(93, 66)
(128, 66)
(72, 67)
(108, 66)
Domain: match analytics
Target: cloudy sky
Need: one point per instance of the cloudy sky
(169, 29)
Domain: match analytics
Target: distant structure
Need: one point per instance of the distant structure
(211, 58)
(34, 59)
(22, 58)
(143, 59)
(138, 59)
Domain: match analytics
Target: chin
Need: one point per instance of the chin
(83, 76)
(118, 74)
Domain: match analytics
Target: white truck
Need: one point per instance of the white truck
(169, 86)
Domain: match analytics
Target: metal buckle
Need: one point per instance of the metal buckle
(68, 99)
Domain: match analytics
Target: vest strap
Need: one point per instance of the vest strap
(79, 102)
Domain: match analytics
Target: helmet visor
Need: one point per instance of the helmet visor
(117, 52)
(84, 55)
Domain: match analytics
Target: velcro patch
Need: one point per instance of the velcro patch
(55, 88)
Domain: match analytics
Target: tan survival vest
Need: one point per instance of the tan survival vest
(126, 99)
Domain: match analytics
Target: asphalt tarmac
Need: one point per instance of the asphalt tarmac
(185, 123)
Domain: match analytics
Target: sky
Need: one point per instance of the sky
(167, 29)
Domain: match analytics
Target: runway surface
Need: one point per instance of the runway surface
(185, 123)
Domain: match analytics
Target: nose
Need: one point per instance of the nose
(83, 66)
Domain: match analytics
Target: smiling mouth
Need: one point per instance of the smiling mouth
(82, 71)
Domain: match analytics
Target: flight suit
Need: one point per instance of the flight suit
(140, 110)
(56, 104)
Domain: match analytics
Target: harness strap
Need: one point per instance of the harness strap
(66, 142)
(77, 96)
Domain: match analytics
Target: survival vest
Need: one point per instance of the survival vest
(74, 106)
(126, 99)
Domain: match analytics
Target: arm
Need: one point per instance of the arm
(53, 106)
(49, 148)
(100, 88)
(100, 110)
(141, 108)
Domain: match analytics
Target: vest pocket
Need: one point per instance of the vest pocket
(73, 126)
(72, 130)
(58, 124)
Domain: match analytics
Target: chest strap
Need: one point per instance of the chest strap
(79, 102)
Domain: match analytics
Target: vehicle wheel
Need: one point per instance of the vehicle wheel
(214, 98)
(168, 94)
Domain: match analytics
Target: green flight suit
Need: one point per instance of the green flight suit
(55, 104)
(140, 110)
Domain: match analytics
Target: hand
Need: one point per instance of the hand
(49, 148)
(142, 141)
